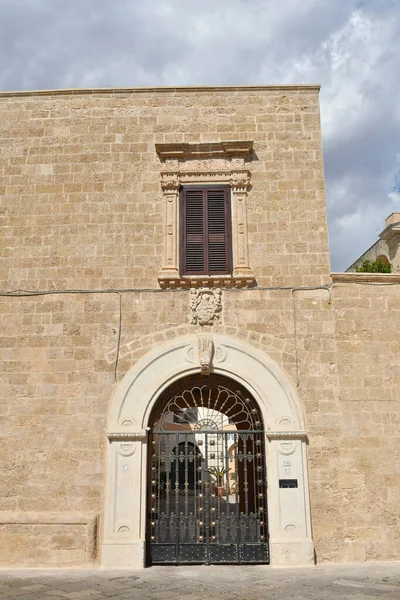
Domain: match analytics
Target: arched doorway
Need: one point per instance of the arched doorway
(207, 493)
(135, 405)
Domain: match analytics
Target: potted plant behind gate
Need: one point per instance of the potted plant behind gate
(219, 474)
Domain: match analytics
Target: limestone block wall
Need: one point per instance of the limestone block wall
(365, 494)
(60, 368)
(60, 361)
(56, 385)
(80, 182)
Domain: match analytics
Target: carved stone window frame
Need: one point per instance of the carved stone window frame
(221, 163)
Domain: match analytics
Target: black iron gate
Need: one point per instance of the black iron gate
(207, 493)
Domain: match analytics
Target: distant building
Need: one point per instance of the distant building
(387, 248)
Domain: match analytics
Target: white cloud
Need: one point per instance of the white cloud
(350, 47)
(395, 198)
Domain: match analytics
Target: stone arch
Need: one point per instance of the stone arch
(131, 406)
(133, 350)
(383, 258)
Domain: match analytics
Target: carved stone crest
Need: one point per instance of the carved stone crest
(206, 306)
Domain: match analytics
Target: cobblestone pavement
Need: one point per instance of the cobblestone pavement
(352, 582)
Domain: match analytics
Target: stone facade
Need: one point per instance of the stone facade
(84, 250)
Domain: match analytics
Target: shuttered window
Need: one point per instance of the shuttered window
(205, 231)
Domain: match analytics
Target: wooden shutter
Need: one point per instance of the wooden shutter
(205, 223)
(217, 231)
(194, 262)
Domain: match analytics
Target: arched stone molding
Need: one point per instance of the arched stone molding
(131, 406)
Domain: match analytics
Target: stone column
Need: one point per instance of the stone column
(170, 187)
(288, 499)
(125, 514)
(239, 185)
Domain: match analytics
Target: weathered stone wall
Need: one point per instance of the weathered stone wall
(80, 184)
(60, 354)
(60, 359)
(55, 390)
(359, 481)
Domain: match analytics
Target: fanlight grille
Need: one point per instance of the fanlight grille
(209, 408)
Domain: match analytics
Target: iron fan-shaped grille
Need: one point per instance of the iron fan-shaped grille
(209, 408)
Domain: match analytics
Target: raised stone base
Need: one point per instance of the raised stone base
(128, 555)
(292, 552)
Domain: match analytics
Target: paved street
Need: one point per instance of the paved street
(353, 582)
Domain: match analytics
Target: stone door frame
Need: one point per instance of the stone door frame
(286, 457)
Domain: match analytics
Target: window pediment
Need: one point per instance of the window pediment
(243, 149)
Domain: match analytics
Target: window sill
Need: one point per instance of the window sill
(210, 281)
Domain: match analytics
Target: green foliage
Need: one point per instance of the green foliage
(374, 266)
(218, 473)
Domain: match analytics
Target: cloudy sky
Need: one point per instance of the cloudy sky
(350, 47)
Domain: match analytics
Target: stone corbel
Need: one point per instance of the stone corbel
(206, 353)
